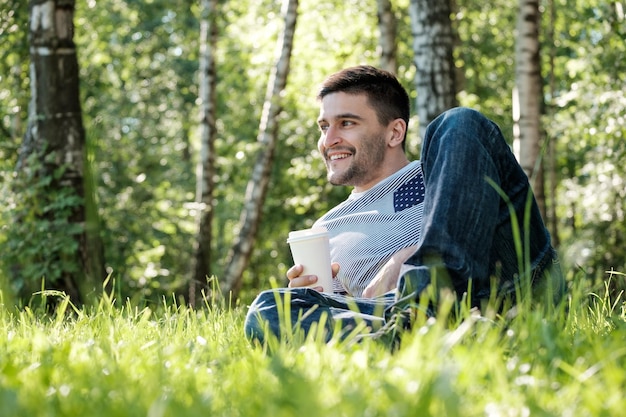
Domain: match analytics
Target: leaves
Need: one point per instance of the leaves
(139, 63)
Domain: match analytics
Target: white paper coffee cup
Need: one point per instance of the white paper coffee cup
(310, 248)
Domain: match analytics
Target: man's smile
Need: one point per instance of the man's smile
(337, 156)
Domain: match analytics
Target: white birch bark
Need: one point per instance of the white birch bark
(552, 166)
(205, 170)
(433, 44)
(256, 190)
(387, 41)
(55, 133)
(529, 94)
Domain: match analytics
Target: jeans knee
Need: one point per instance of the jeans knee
(463, 112)
(254, 327)
(466, 133)
(260, 315)
(459, 118)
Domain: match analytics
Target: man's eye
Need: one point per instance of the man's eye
(323, 128)
(347, 123)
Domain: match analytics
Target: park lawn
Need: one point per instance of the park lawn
(168, 360)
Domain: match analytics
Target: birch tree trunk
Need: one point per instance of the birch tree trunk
(433, 45)
(528, 83)
(241, 251)
(54, 148)
(205, 171)
(387, 41)
(552, 170)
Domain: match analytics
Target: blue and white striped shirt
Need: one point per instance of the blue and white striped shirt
(368, 228)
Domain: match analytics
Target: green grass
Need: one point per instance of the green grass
(120, 360)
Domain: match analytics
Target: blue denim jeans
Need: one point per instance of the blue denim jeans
(482, 232)
(482, 227)
(304, 308)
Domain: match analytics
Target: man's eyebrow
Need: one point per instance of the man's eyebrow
(341, 116)
(349, 116)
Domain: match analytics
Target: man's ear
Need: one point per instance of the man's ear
(397, 131)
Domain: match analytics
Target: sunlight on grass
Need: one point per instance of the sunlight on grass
(117, 359)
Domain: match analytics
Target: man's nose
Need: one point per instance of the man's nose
(331, 137)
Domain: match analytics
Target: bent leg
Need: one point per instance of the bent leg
(284, 311)
(469, 233)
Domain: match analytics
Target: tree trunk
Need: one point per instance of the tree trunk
(433, 45)
(241, 251)
(387, 41)
(551, 211)
(529, 97)
(55, 135)
(205, 171)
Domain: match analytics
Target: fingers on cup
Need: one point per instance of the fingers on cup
(294, 271)
(302, 281)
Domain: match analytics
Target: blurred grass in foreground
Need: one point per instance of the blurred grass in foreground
(169, 360)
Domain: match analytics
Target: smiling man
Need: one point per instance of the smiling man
(359, 149)
(401, 227)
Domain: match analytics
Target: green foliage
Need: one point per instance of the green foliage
(486, 55)
(41, 242)
(139, 136)
(588, 124)
(139, 63)
(145, 186)
(13, 81)
(121, 359)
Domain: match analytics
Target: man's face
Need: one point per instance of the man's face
(352, 141)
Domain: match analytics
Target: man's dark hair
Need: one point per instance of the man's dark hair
(383, 90)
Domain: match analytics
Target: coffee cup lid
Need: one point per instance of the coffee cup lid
(307, 233)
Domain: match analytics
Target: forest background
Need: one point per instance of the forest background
(139, 86)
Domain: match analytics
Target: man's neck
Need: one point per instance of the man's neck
(396, 167)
